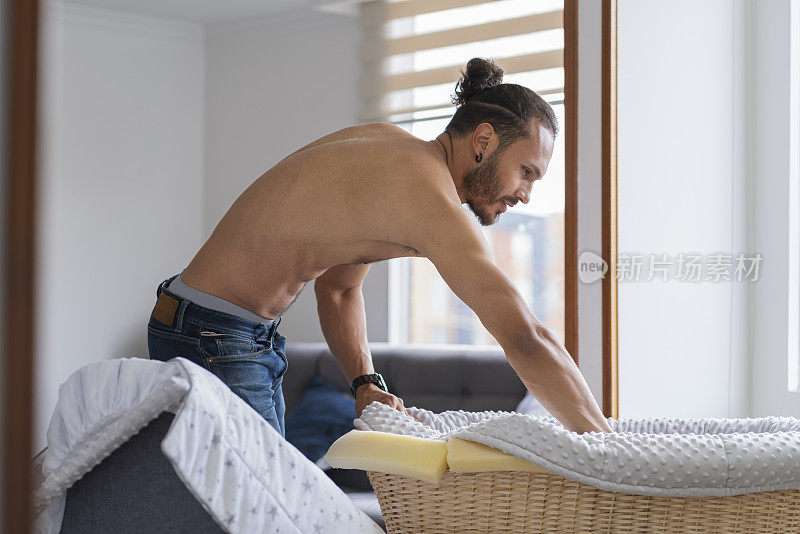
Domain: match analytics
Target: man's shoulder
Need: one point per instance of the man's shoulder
(374, 130)
(428, 175)
(433, 214)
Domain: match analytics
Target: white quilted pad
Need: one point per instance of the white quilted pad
(660, 456)
(240, 469)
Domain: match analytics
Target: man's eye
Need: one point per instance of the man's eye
(527, 171)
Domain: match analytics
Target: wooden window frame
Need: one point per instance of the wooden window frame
(571, 178)
(610, 376)
(20, 261)
(609, 209)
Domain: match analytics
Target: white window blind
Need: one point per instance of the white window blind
(413, 51)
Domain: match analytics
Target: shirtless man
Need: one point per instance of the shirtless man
(360, 195)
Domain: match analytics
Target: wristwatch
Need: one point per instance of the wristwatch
(374, 378)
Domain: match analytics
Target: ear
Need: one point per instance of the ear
(482, 138)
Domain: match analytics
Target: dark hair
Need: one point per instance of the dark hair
(509, 108)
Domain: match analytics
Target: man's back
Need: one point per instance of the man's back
(345, 198)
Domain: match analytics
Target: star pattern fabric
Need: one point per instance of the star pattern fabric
(243, 472)
(265, 483)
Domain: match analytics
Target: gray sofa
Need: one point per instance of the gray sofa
(153, 499)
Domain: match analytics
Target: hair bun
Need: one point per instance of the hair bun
(481, 74)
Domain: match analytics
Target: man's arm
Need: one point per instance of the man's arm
(340, 305)
(453, 242)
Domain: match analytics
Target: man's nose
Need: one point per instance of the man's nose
(525, 196)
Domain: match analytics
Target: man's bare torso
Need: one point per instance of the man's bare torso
(345, 198)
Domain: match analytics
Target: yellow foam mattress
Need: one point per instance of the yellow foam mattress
(421, 458)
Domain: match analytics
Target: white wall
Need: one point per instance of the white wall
(775, 190)
(121, 188)
(683, 345)
(272, 86)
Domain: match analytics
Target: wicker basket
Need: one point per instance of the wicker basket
(510, 501)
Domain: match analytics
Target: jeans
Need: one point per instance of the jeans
(246, 355)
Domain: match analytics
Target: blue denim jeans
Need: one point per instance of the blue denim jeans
(246, 355)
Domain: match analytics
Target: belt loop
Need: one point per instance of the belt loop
(164, 284)
(274, 327)
(181, 310)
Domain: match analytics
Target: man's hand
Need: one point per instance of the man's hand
(370, 392)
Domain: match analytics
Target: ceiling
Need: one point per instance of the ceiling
(218, 11)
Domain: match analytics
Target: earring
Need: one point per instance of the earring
(479, 157)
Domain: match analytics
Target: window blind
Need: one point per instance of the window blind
(413, 51)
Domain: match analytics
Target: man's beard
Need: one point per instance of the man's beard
(482, 188)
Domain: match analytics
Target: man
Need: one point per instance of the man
(364, 194)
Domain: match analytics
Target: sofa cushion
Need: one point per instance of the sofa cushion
(151, 495)
(438, 378)
(323, 415)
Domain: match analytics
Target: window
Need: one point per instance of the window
(413, 53)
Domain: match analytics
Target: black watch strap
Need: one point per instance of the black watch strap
(373, 378)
